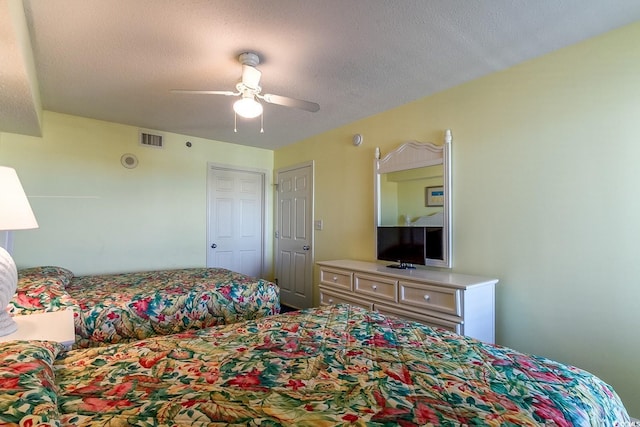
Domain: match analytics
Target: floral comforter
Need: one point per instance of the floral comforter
(337, 365)
(115, 308)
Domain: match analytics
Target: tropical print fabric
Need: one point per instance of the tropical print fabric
(28, 395)
(40, 293)
(51, 271)
(115, 308)
(337, 365)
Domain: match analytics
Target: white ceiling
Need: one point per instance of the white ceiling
(117, 60)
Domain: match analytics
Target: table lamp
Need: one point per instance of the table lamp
(15, 214)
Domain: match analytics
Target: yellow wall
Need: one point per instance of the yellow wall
(96, 216)
(545, 197)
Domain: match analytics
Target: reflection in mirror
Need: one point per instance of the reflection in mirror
(399, 193)
(413, 205)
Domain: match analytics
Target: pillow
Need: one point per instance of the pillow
(28, 394)
(37, 294)
(52, 271)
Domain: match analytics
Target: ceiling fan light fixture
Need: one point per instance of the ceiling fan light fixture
(247, 107)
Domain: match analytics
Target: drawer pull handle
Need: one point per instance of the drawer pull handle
(374, 287)
(330, 300)
(427, 297)
(335, 278)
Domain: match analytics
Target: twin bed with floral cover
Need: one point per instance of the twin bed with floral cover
(124, 307)
(334, 365)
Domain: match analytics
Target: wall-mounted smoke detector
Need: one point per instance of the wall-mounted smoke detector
(129, 160)
(149, 139)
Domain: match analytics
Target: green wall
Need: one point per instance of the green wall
(97, 216)
(545, 197)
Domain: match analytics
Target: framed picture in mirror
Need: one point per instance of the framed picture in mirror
(434, 196)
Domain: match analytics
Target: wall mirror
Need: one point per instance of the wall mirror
(413, 205)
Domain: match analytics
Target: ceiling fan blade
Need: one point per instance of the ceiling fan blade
(251, 76)
(291, 102)
(207, 92)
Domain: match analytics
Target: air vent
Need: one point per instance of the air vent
(151, 140)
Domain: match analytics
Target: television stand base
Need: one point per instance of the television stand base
(402, 266)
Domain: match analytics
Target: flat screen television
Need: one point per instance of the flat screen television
(409, 245)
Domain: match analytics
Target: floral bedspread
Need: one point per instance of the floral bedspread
(125, 307)
(28, 394)
(41, 289)
(132, 306)
(337, 365)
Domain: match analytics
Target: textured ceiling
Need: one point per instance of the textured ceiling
(19, 95)
(117, 60)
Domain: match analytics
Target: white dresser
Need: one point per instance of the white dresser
(457, 302)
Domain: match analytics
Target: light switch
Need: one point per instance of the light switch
(318, 224)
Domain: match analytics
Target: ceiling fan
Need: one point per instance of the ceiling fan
(249, 91)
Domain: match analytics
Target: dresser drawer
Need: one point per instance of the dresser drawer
(457, 302)
(445, 300)
(336, 278)
(420, 318)
(331, 298)
(376, 286)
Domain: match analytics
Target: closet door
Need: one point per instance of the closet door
(236, 220)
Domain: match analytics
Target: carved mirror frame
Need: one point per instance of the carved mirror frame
(412, 155)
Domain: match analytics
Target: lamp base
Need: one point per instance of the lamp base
(8, 285)
(7, 324)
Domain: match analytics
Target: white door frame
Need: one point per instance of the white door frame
(263, 210)
(310, 218)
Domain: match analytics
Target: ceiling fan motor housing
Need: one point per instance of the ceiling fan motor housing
(249, 58)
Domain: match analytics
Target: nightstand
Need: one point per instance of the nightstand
(50, 326)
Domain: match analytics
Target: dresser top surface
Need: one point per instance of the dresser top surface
(463, 281)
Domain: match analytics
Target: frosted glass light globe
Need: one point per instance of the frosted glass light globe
(247, 108)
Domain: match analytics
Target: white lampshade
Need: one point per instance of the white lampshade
(15, 211)
(247, 107)
(15, 214)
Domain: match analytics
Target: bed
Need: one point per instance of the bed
(131, 306)
(334, 365)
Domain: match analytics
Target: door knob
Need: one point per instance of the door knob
(306, 247)
(213, 246)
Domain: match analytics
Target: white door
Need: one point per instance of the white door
(235, 225)
(294, 245)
